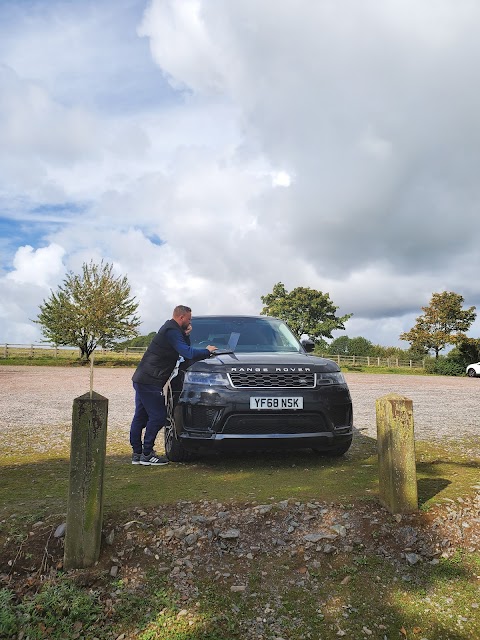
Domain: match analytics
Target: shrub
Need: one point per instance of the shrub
(444, 367)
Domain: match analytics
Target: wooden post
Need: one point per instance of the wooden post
(85, 498)
(396, 454)
(5, 352)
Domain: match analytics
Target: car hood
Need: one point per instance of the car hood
(270, 362)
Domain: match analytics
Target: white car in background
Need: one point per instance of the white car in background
(473, 370)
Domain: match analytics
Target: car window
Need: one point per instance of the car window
(260, 335)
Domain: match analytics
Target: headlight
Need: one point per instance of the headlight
(330, 378)
(206, 379)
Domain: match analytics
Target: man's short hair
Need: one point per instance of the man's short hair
(181, 310)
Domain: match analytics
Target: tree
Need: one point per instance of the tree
(444, 322)
(89, 310)
(360, 346)
(339, 346)
(345, 346)
(139, 341)
(466, 352)
(304, 310)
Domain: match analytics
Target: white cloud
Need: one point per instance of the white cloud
(40, 267)
(182, 46)
(281, 179)
(365, 114)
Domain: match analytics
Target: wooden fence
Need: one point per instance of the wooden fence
(34, 351)
(371, 361)
(39, 351)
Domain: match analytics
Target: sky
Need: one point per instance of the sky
(210, 149)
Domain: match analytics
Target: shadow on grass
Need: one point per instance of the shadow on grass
(428, 488)
(238, 477)
(246, 476)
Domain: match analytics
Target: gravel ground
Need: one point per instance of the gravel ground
(36, 405)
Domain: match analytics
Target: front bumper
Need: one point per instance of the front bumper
(221, 418)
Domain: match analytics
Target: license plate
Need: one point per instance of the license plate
(276, 403)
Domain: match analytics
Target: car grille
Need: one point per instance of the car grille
(284, 424)
(294, 380)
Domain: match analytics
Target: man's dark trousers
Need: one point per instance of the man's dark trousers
(150, 414)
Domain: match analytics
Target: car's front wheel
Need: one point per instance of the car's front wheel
(174, 449)
(471, 373)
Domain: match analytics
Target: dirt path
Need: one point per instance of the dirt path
(36, 404)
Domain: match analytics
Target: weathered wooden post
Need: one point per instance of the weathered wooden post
(85, 498)
(396, 454)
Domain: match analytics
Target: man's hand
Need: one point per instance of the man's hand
(211, 348)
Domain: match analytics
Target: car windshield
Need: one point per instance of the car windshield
(249, 334)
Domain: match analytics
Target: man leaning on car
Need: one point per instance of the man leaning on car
(150, 376)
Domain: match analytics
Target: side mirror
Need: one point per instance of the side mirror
(307, 344)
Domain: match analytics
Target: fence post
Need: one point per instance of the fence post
(5, 351)
(396, 454)
(85, 498)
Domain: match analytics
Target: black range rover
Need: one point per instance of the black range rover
(262, 389)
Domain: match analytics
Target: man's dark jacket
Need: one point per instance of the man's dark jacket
(160, 358)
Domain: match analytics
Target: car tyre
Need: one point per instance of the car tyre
(471, 373)
(174, 450)
(335, 452)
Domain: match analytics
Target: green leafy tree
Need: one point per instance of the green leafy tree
(304, 310)
(443, 322)
(89, 310)
(358, 346)
(139, 341)
(466, 352)
(339, 346)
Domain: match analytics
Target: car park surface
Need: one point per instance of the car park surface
(36, 406)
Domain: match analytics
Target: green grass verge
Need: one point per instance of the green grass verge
(29, 484)
(359, 597)
(359, 594)
(132, 359)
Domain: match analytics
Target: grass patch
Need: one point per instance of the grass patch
(32, 485)
(301, 594)
(282, 598)
(404, 371)
(120, 359)
(107, 360)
